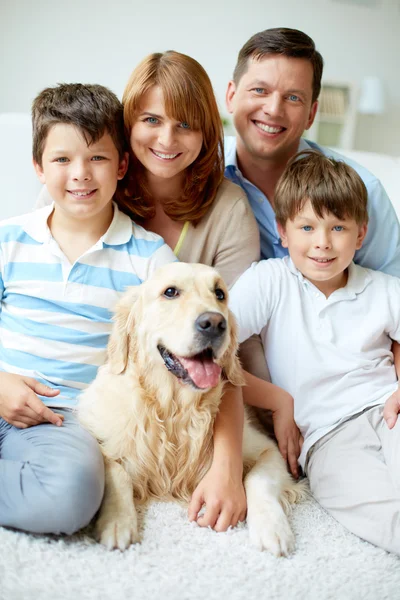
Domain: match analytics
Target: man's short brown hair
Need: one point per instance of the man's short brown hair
(93, 109)
(332, 186)
(286, 42)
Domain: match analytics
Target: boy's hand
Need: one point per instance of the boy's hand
(290, 440)
(19, 404)
(392, 409)
(222, 491)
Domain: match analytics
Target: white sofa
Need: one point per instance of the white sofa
(20, 186)
(386, 168)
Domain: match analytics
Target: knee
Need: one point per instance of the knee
(78, 496)
(64, 497)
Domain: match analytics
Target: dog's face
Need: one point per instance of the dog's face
(178, 318)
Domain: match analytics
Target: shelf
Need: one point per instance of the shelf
(334, 124)
(331, 118)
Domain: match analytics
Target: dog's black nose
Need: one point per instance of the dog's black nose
(211, 324)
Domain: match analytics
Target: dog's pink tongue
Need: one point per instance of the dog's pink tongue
(203, 372)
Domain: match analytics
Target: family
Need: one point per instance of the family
(135, 185)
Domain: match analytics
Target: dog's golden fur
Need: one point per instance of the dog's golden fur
(155, 431)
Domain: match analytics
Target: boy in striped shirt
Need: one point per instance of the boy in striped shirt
(62, 269)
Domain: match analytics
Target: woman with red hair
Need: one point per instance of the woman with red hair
(176, 185)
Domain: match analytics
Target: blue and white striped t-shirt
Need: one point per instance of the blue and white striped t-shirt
(55, 318)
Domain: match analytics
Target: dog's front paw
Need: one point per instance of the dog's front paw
(269, 529)
(118, 533)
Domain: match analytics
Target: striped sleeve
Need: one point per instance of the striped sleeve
(56, 317)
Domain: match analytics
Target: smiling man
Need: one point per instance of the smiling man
(273, 98)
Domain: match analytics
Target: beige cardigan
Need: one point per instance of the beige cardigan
(226, 238)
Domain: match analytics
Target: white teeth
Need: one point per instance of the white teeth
(267, 128)
(323, 260)
(81, 194)
(167, 156)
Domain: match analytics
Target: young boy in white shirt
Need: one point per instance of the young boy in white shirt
(62, 270)
(327, 327)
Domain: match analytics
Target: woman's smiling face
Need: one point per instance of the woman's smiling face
(164, 146)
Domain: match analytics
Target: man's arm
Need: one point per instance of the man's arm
(392, 404)
(381, 247)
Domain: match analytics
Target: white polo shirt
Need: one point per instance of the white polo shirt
(55, 317)
(333, 355)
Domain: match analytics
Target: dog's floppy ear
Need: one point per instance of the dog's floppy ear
(230, 361)
(123, 330)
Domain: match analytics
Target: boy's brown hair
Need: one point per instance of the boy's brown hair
(285, 42)
(332, 186)
(93, 109)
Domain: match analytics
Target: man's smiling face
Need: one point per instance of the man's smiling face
(272, 106)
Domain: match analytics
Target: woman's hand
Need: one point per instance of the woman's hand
(222, 491)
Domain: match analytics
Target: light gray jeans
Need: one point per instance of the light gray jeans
(354, 473)
(51, 478)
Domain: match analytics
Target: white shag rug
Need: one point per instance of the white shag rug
(181, 561)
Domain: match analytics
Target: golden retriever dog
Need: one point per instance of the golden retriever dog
(153, 404)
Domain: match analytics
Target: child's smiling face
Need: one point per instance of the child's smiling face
(81, 179)
(322, 248)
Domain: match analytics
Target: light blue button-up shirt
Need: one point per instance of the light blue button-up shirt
(381, 247)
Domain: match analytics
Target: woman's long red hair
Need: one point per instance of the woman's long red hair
(188, 96)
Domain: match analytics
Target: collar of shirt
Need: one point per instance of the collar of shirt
(358, 279)
(231, 156)
(230, 152)
(260, 204)
(304, 145)
(118, 233)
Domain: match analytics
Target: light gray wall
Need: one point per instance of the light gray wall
(43, 42)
